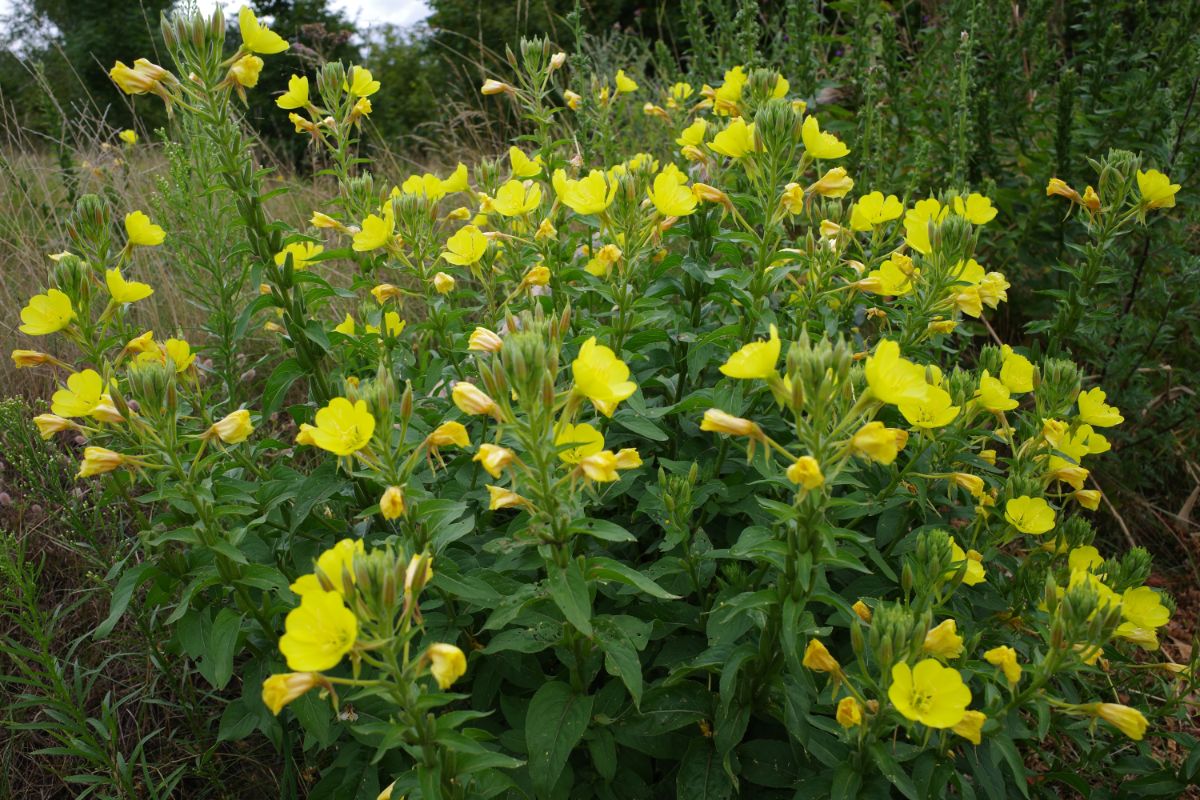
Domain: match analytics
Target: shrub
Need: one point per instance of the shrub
(491, 531)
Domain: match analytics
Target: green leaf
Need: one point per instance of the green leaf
(222, 646)
(569, 590)
(601, 529)
(700, 774)
(122, 594)
(641, 426)
(606, 569)
(892, 770)
(278, 383)
(556, 721)
(620, 656)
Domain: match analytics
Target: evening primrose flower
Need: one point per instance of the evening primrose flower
(1032, 515)
(302, 253)
(466, 246)
(975, 573)
(346, 326)
(600, 467)
(1156, 189)
(572, 99)
(942, 641)
(601, 377)
(1059, 187)
(590, 195)
(296, 95)
(494, 458)
(879, 443)
(895, 277)
(806, 472)
(343, 428)
(717, 421)
(515, 198)
(443, 283)
(670, 193)
(141, 231)
(46, 313)
(360, 83)
(144, 76)
(483, 340)
(754, 360)
(602, 262)
(522, 165)
(1127, 720)
(279, 690)
(50, 424)
(819, 145)
(934, 409)
(499, 497)
(1005, 658)
(128, 136)
(256, 37)
(917, 221)
(892, 378)
(993, 394)
(849, 713)
(336, 564)
(391, 504)
(99, 460)
(625, 84)
(447, 434)
(233, 428)
(834, 183)
(1016, 372)
(245, 71)
(818, 658)
(873, 210)
(318, 633)
(1094, 411)
(491, 86)
(1143, 607)
(376, 230)
(975, 208)
(693, 135)
(971, 726)
(736, 140)
(123, 291)
(472, 400)
(82, 394)
(536, 276)
(929, 693)
(577, 442)
(446, 663)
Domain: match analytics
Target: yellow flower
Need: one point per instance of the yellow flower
(320, 220)
(917, 221)
(819, 145)
(971, 726)
(279, 690)
(296, 95)
(82, 395)
(494, 458)
(625, 84)
(473, 401)
(302, 254)
(1094, 411)
(1091, 199)
(929, 693)
(576, 442)
(976, 208)
(449, 433)
(1005, 658)
(483, 340)
(717, 421)
(670, 193)
(678, 93)
(601, 377)
(1016, 373)
(934, 410)
(573, 99)
(892, 378)
(874, 209)
(1156, 189)
(144, 76)
(849, 713)
(818, 659)
(499, 498)
(50, 424)
(834, 183)
(233, 428)
(336, 564)
(600, 467)
(377, 231)
(972, 483)
(391, 504)
(23, 359)
(736, 140)
(360, 83)
(1031, 515)
(362, 108)
(142, 343)
(123, 291)
(1059, 187)
(545, 230)
(141, 231)
(522, 165)
(590, 195)
(628, 458)
(806, 472)
(99, 460)
(879, 443)
(245, 71)
(46, 313)
(1144, 608)
(943, 641)
(602, 262)
(515, 198)
(693, 135)
(1128, 721)
(446, 663)
(128, 136)
(318, 633)
(346, 326)
(491, 86)
(993, 394)
(993, 289)
(975, 573)
(443, 283)
(862, 610)
(754, 360)
(343, 428)
(1084, 559)
(256, 37)
(392, 324)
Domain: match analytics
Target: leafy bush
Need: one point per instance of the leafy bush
(500, 451)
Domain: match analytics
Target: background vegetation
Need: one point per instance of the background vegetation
(996, 95)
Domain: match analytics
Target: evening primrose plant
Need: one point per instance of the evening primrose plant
(588, 474)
